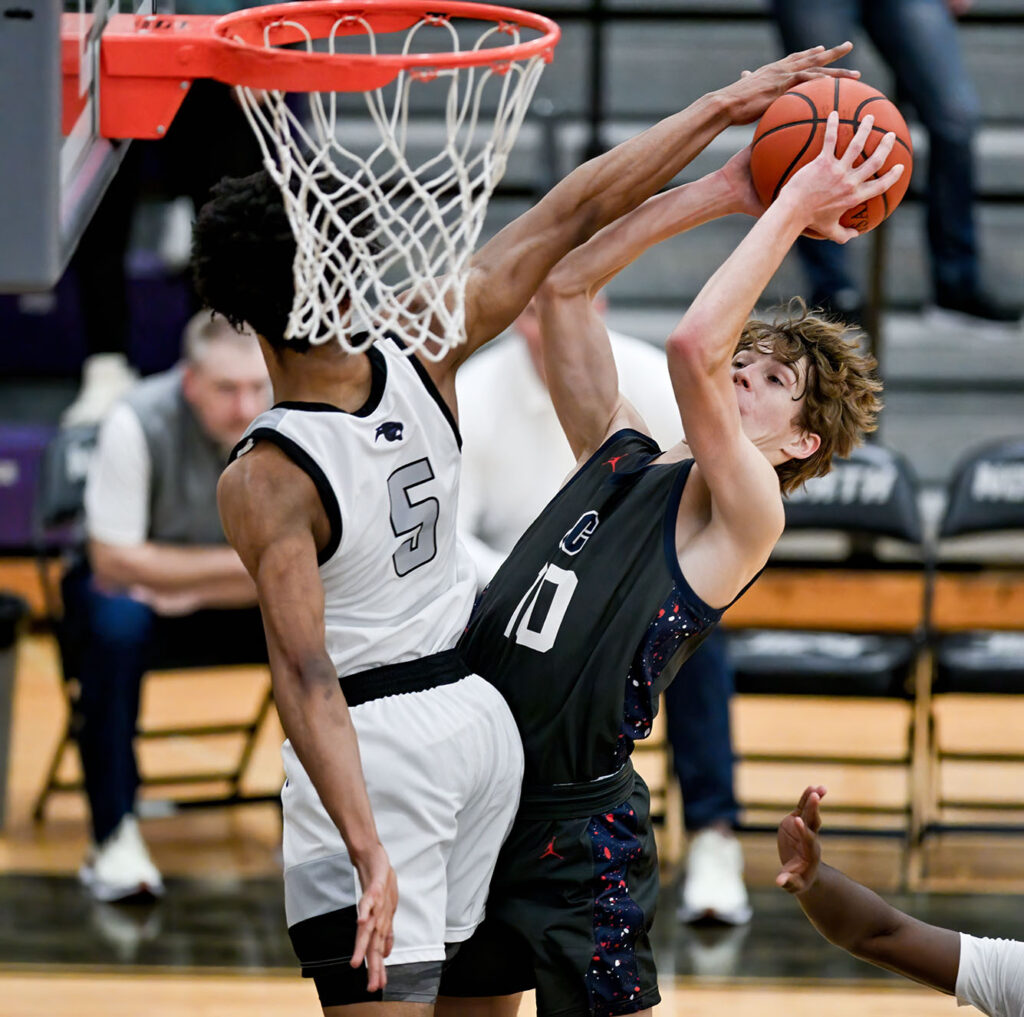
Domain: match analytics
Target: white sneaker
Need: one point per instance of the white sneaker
(120, 867)
(105, 378)
(714, 888)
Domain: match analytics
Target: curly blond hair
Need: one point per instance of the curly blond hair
(840, 394)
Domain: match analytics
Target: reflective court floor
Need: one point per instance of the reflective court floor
(217, 945)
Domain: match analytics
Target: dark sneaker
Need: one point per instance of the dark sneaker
(975, 308)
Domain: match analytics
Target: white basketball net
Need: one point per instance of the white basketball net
(384, 237)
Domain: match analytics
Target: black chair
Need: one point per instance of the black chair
(977, 621)
(58, 533)
(838, 617)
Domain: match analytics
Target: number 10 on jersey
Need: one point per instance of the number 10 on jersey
(538, 616)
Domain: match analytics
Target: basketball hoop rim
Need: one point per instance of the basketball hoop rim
(261, 66)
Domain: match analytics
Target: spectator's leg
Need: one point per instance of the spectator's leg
(111, 661)
(111, 666)
(803, 24)
(697, 716)
(918, 38)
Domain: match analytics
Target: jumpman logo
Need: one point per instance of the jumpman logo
(550, 852)
(611, 462)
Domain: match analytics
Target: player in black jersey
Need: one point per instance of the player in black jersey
(320, 573)
(633, 561)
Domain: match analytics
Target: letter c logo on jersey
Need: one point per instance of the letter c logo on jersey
(573, 541)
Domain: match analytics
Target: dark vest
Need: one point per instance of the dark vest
(185, 464)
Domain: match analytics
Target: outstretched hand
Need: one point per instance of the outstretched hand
(831, 184)
(374, 935)
(755, 91)
(799, 846)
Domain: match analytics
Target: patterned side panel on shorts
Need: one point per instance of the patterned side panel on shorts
(613, 977)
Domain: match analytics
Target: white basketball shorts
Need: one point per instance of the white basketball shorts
(443, 769)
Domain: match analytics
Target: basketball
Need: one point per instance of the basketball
(791, 132)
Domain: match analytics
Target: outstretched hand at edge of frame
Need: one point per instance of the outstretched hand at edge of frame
(798, 843)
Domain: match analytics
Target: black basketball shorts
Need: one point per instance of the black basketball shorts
(569, 914)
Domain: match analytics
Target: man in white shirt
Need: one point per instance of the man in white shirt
(515, 457)
(984, 973)
(158, 571)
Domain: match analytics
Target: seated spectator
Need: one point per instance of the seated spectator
(158, 570)
(515, 458)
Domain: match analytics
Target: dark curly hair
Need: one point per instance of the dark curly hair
(242, 255)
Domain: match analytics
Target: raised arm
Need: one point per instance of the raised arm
(746, 512)
(578, 362)
(273, 518)
(507, 270)
(853, 917)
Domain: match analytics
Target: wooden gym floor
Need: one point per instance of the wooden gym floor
(217, 944)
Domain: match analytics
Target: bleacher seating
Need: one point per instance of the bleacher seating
(977, 622)
(838, 618)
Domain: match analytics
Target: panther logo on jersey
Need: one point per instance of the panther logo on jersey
(391, 429)
(576, 538)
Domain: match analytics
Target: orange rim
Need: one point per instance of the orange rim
(254, 33)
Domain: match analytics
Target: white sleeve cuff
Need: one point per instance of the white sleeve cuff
(117, 486)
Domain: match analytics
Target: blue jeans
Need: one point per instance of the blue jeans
(918, 40)
(697, 716)
(108, 642)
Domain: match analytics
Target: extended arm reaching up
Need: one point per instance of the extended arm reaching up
(506, 271)
(737, 467)
(578, 361)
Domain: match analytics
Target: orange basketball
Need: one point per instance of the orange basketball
(792, 130)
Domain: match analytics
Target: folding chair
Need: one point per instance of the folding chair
(838, 617)
(59, 531)
(977, 622)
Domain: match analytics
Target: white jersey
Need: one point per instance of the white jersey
(397, 583)
(991, 976)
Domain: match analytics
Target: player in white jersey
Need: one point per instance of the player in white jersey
(343, 509)
(985, 973)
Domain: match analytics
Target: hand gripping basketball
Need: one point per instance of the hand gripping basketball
(826, 188)
(791, 133)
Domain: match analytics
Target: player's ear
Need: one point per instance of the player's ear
(803, 445)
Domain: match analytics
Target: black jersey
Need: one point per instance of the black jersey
(590, 616)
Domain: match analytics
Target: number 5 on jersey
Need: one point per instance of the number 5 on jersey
(417, 518)
(538, 616)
